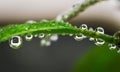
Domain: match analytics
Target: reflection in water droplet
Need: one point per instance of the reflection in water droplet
(29, 37)
(45, 43)
(15, 42)
(54, 37)
(112, 46)
(41, 35)
(118, 51)
(31, 21)
(99, 42)
(100, 30)
(79, 37)
(84, 27)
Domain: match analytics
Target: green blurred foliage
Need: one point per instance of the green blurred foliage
(100, 59)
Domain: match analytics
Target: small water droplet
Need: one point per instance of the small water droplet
(76, 5)
(60, 18)
(100, 30)
(54, 37)
(45, 43)
(36, 35)
(84, 27)
(112, 46)
(99, 42)
(29, 37)
(31, 21)
(79, 37)
(70, 34)
(118, 51)
(15, 42)
(41, 35)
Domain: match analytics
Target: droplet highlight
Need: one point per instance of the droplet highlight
(31, 21)
(15, 42)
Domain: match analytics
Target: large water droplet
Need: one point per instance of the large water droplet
(15, 42)
(100, 30)
(41, 35)
(31, 21)
(54, 37)
(112, 46)
(79, 37)
(99, 42)
(45, 43)
(84, 27)
(29, 37)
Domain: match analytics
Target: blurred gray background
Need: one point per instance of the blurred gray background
(61, 55)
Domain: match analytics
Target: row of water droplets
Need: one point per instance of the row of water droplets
(16, 41)
(98, 41)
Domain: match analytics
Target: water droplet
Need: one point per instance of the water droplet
(118, 51)
(84, 27)
(54, 37)
(35, 35)
(29, 37)
(60, 18)
(100, 30)
(41, 35)
(31, 21)
(99, 41)
(79, 37)
(15, 42)
(112, 46)
(44, 20)
(45, 43)
(70, 34)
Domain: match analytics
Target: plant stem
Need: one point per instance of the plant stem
(76, 9)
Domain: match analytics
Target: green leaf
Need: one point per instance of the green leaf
(101, 59)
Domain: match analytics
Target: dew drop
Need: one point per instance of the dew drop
(100, 30)
(31, 21)
(79, 37)
(70, 34)
(99, 42)
(54, 37)
(60, 18)
(15, 42)
(45, 43)
(112, 46)
(84, 27)
(29, 37)
(41, 35)
(118, 51)
(36, 35)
